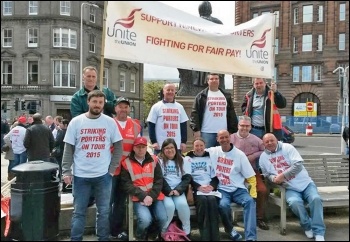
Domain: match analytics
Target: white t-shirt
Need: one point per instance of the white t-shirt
(214, 118)
(92, 139)
(281, 160)
(232, 168)
(171, 175)
(167, 117)
(17, 139)
(202, 170)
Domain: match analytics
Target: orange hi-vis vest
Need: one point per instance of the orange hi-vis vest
(129, 134)
(141, 176)
(275, 115)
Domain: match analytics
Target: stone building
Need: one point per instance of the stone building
(311, 40)
(40, 57)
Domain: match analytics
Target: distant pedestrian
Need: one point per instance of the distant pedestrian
(345, 136)
(87, 153)
(38, 140)
(17, 134)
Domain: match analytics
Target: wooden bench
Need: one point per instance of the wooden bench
(331, 176)
(130, 216)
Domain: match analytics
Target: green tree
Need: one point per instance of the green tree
(150, 94)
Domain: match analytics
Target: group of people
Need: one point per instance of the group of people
(32, 138)
(105, 158)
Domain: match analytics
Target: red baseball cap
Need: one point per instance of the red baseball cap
(22, 120)
(140, 141)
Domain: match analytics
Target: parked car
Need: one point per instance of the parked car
(287, 135)
(334, 129)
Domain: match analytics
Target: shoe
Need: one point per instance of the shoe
(319, 238)
(309, 234)
(235, 236)
(262, 225)
(123, 236)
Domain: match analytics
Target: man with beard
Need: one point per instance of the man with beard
(88, 139)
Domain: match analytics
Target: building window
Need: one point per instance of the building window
(255, 15)
(7, 8)
(296, 71)
(92, 14)
(319, 43)
(296, 15)
(306, 73)
(307, 42)
(105, 77)
(309, 73)
(65, 38)
(307, 14)
(33, 72)
(342, 12)
(341, 41)
(276, 46)
(295, 45)
(7, 38)
(277, 18)
(6, 72)
(33, 37)
(65, 8)
(65, 73)
(320, 14)
(317, 73)
(33, 7)
(132, 82)
(122, 81)
(92, 43)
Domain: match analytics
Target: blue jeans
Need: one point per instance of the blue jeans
(183, 211)
(295, 201)
(258, 132)
(241, 197)
(19, 159)
(146, 215)
(82, 188)
(210, 139)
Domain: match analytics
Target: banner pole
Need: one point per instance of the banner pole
(103, 44)
(274, 78)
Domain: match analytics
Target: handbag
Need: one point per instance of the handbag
(174, 233)
(5, 148)
(189, 195)
(56, 151)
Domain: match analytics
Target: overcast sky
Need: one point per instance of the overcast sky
(222, 10)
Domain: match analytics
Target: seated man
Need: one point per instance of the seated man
(233, 169)
(252, 146)
(282, 164)
(143, 180)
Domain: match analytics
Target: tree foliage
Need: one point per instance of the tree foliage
(150, 94)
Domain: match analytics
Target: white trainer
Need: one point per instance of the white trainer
(309, 234)
(319, 238)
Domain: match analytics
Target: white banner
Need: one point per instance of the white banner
(155, 33)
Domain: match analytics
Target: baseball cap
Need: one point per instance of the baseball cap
(140, 141)
(123, 99)
(22, 120)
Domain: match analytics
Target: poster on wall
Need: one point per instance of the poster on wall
(300, 110)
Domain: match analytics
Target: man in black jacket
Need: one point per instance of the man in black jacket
(38, 140)
(212, 111)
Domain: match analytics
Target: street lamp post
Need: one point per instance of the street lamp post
(344, 97)
(81, 39)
